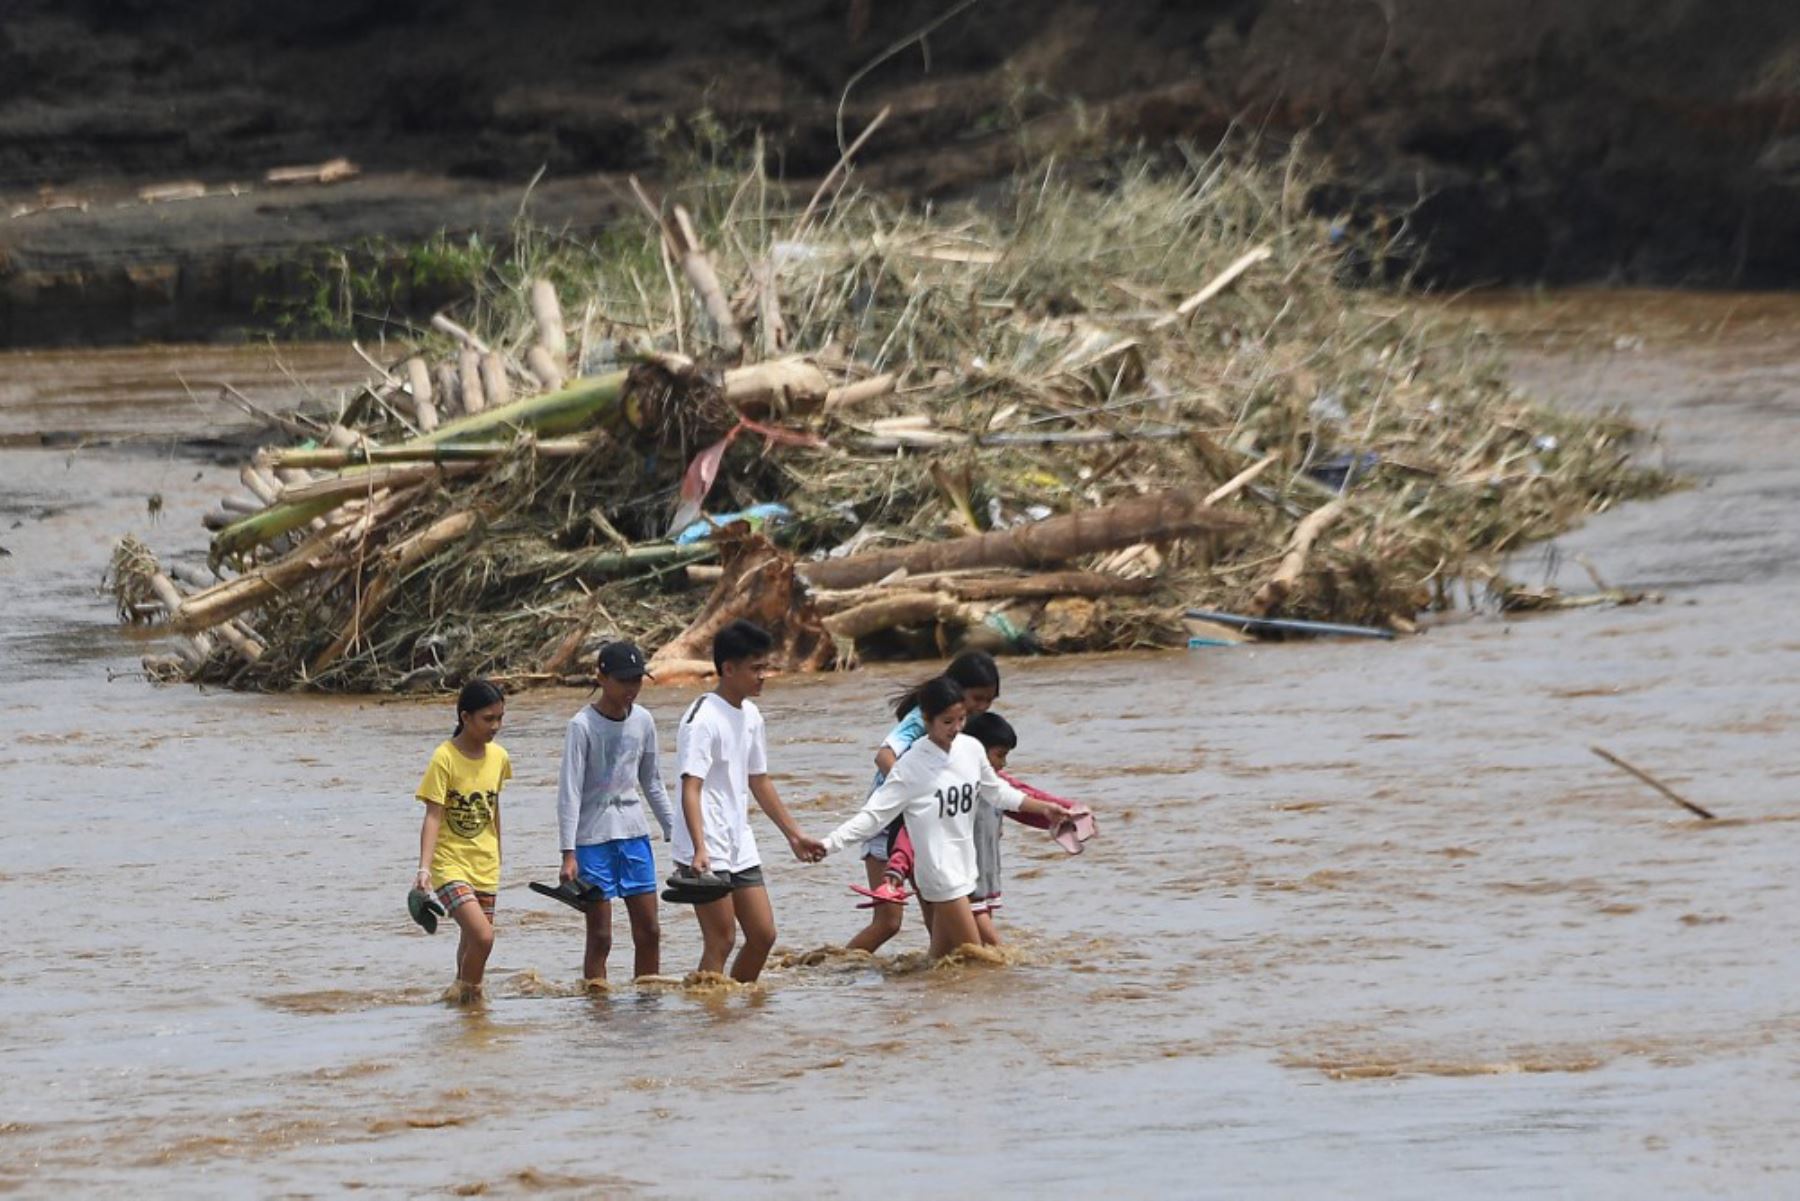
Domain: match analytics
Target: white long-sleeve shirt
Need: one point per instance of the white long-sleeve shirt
(936, 791)
(609, 770)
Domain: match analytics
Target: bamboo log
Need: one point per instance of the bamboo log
(495, 387)
(447, 390)
(474, 396)
(397, 561)
(1159, 516)
(198, 643)
(846, 395)
(684, 242)
(260, 485)
(468, 340)
(608, 564)
(425, 413)
(543, 368)
(248, 648)
(901, 609)
(778, 385)
(1275, 590)
(548, 312)
(454, 452)
(375, 479)
(237, 504)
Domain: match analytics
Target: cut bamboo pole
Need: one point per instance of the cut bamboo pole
(260, 485)
(1157, 517)
(451, 452)
(195, 642)
(1219, 283)
(366, 483)
(548, 312)
(468, 340)
(425, 414)
(494, 385)
(543, 368)
(691, 254)
(1275, 590)
(1240, 481)
(248, 648)
(474, 396)
(448, 390)
(845, 396)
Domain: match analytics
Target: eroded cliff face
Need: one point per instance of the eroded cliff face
(1552, 140)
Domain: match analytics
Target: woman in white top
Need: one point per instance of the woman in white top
(935, 785)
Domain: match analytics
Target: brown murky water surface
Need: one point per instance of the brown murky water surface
(1362, 919)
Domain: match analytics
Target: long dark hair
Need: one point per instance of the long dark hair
(938, 694)
(971, 669)
(475, 696)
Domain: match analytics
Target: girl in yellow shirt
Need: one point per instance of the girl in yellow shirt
(459, 843)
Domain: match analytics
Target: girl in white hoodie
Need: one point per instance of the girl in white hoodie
(936, 785)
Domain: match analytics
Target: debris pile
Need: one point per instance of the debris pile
(1057, 421)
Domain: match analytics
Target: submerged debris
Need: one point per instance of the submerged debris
(1052, 424)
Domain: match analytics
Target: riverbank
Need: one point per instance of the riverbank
(1636, 140)
(1357, 912)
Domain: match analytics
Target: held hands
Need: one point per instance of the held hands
(569, 868)
(806, 850)
(423, 879)
(702, 862)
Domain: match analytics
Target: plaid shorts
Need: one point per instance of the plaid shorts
(456, 892)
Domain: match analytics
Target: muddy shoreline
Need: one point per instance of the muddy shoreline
(1629, 140)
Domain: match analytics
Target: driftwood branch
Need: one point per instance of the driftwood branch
(1157, 517)
(1293, 563)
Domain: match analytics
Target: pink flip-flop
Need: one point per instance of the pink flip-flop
(1074, 831)
(887, 894)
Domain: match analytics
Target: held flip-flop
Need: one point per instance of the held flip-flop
(576, 894)
(695, 888)
(1074, 831)
(425, 909)
(885, 894)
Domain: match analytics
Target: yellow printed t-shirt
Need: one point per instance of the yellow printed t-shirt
(468, 845)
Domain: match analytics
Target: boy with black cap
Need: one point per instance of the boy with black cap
(609, 770)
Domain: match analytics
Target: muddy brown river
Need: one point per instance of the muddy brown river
(1362, 920)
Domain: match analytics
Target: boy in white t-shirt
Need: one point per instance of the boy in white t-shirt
(723, 759)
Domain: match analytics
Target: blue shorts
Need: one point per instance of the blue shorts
(624, 867)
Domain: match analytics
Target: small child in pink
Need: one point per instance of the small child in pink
(997, 736)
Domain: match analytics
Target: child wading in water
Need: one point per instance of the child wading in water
(459, 842)
(979, 677)
(724, 762)
(998, 740)
(936, 787)
(609, 770)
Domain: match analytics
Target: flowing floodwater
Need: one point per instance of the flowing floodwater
(1363, 919)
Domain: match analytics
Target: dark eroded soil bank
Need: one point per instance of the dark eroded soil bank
(1553, 140)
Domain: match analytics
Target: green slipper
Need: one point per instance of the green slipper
(425, 909)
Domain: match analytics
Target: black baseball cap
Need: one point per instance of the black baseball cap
(623, 661)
